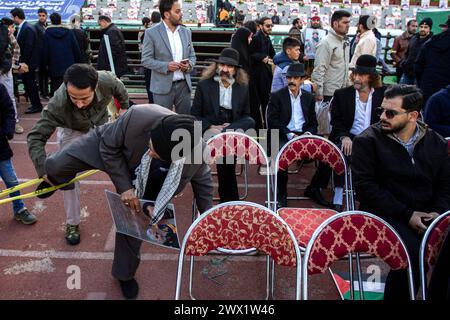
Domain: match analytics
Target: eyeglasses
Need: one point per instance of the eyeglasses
(268, 25)
(389, 113)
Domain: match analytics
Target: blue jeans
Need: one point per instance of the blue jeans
(8, 175)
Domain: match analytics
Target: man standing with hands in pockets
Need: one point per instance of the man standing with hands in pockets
(168, 51)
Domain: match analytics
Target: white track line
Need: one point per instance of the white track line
(83, 255)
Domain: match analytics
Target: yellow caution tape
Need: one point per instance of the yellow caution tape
(21, 186)
(46, 190)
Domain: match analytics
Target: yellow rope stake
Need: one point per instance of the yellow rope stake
(42, 191)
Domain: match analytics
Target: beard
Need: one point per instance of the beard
(389, 128)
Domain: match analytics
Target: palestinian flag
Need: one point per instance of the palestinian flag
(373, 290)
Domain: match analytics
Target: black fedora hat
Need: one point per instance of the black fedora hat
(230, 57)
(366, 64)
(296, 70)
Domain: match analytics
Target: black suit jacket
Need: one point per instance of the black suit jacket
(27, 40)
(260, 47)
(206, 105)
(117, 42)
(343, 111)
(279, 112)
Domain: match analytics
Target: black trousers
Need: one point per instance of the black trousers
(228, 188)
(29, 82)
(43, 81)
(263, 84)
(55, 83)
(397, 280)
(255, 110)
(148, 78)
(399, 73)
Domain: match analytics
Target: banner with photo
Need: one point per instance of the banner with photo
(303, 18)
(137, 225)
(347, 3)
(425, 4)
(356, 11)
(404, 4)
(325, 20)
(326, 3)
(107, 12)
(307, 3)
(294, 9)
(251, 7)
(271, 8)
(312, 39)
(65, 8)
(87, 14)
(315, 10)
(397, 12)
(365, 3)
(377, 11)
(390, 22)
(334, 8)
(91, 4)
(443, 4)
(135, 4)
(384, 3)
(132, 13)
(112, 4)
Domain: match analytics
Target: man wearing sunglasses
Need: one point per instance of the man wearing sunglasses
(401, 172)
(261, 55)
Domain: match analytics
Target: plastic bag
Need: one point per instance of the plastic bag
(323, 117)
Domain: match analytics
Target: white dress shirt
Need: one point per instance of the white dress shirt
(19, 28)
(297, 118)
(363, 113)
(176, 46)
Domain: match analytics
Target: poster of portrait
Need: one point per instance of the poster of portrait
(326, 3)
(425, 4)
(91, 4)
(312, 39)
(404, 4)
(333, 8)
(347, 3)
(365, 3)
(112, 4)
(271, 8)
(287, 1)
(135, 4)
(163, 233)
(443, 4)
(356, 11)
(294, 9)
(200, 5)
(201, 16)
(307, 3)
(315, 10)
(389, 22)
(132, 13)
(396, 12)
(303, 18)
(87, 14)
(107, 12)
(377, 12)
(251, 7)
(384, 3)
(325, 19)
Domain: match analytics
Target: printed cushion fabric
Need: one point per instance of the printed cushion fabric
(356, 233)
(236, 145)
(435, 240)
(241, 227)
(304, 221)
(312, 148)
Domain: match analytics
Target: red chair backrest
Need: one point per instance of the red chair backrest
(355, 233)
(239, 227)
(239, 145)
(310, 147)
(435, 240)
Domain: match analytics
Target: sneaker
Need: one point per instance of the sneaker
(19, 128)
(72, 234)
(25, 217)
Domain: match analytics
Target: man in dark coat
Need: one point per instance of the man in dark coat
(437, 112)
(117, 42)
(261, 55)
(29, 54)
(433, 64)
(7, 172)
(401, 172)
(291, 111)
(41, 26)
(60, 50)
(415, 44)
(221, 102)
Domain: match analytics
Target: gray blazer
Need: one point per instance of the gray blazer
(117, 148)
(156, 55)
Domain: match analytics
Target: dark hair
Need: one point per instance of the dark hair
(155, 17)
(412, 96)
(7, 21)
(295, 21)
(55, 18)
(42, 10)
(338, 15)
(145, 20)
(165, 6)
(250, 25)
(261, 21)
(363, 21)
(410, 21)
(81, 76)
(18, 12)
(290, 43)
(104, 18)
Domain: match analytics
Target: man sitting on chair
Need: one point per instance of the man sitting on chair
(291, 111)
(222, 103)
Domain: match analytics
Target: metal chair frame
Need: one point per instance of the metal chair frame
(234, 203)
(340, 216)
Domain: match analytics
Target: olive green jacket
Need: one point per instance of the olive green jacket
(61, 112)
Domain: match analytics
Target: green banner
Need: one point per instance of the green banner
(437, 15)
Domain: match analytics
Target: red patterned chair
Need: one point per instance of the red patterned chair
(448, 145)
(354, 232)
(244, 148)
(431, 246)
(241, 225)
